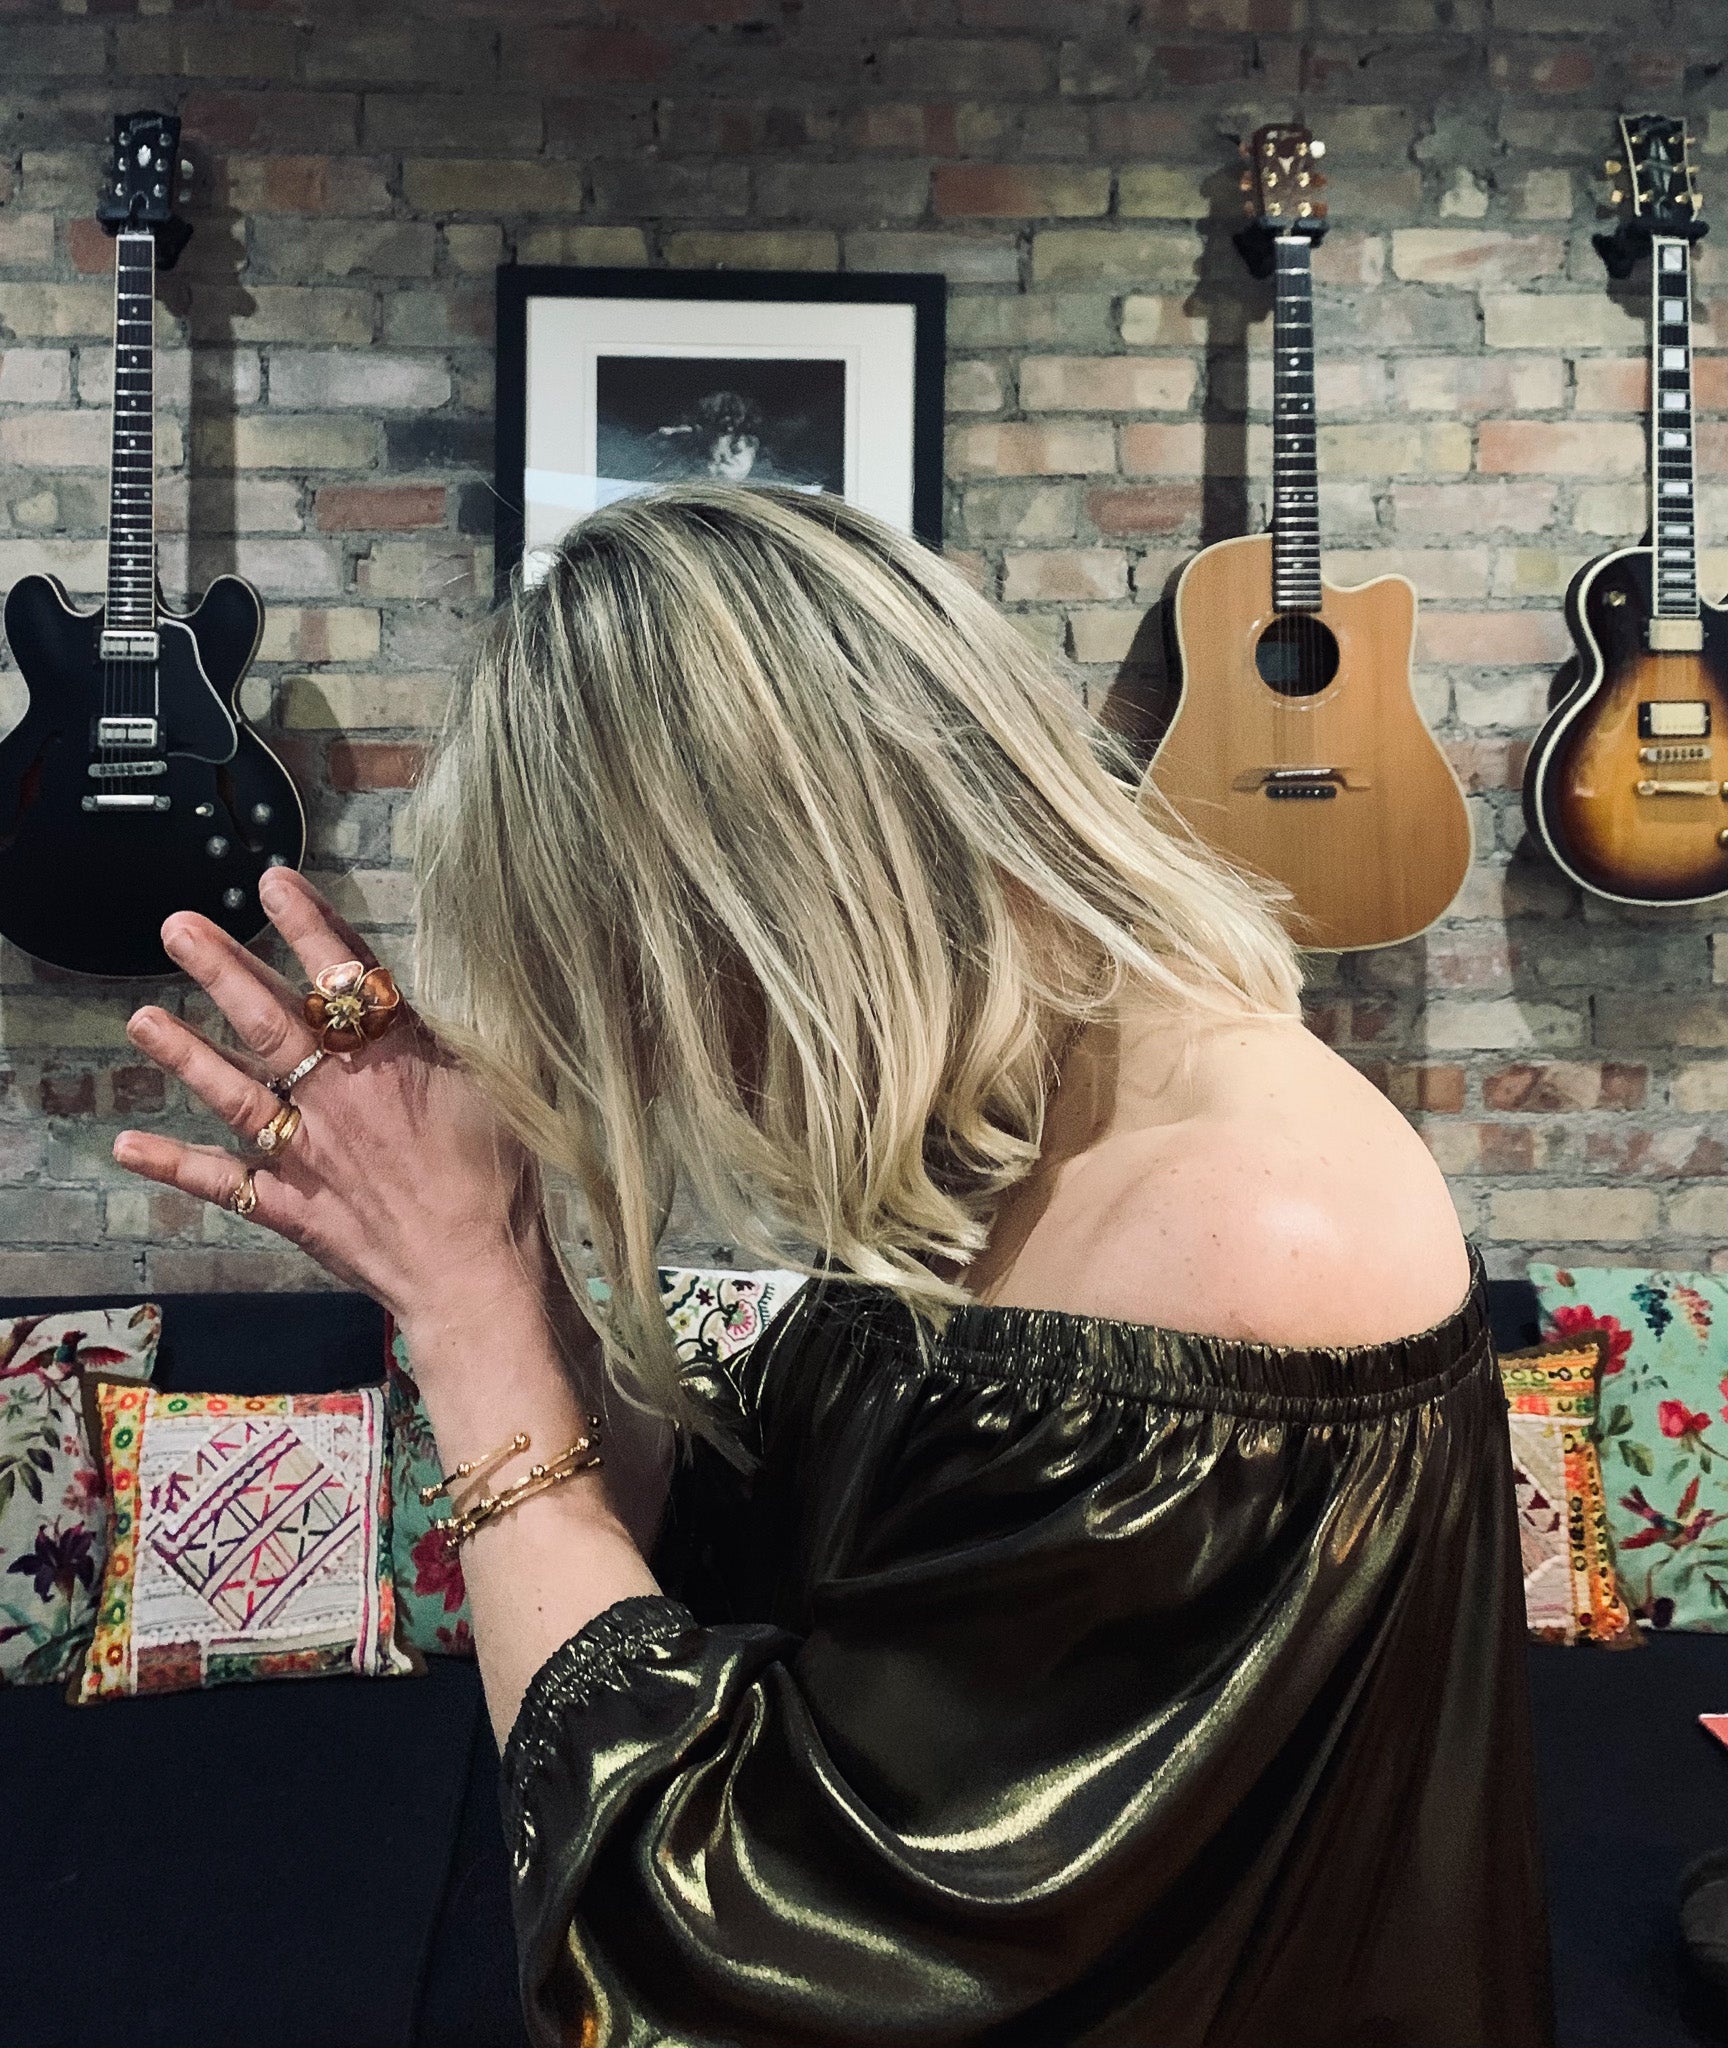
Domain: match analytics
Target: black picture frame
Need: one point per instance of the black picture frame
(519, 283)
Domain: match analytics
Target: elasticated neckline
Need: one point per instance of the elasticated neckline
(1055, 1350)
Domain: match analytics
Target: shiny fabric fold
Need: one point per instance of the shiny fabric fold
(1050, 1682)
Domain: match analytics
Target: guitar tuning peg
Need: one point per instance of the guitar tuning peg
(1248, 208)
(1320, 208)
(1613, 167)
(1317, 149)
(1616, 197)
(185, 167)
(1245, 183)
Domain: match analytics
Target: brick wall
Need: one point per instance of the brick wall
(327, 432)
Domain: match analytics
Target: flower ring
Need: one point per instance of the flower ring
(350, 1005)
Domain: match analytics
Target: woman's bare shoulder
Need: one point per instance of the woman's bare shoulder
(1293, 1205)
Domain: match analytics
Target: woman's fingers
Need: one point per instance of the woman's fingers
(212, 1175)
(260, 1006)
(240, 1099)
(318, 936)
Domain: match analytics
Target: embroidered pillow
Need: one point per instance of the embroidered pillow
(714, 1316)
(1662, 1428)
(249, 1537)
(53, 1522)
(1570, 1594)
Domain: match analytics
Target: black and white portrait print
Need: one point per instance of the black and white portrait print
(738, 419)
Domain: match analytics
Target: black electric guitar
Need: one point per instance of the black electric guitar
(1627, 785)
(132, 788)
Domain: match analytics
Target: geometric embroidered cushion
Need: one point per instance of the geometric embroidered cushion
(715, 1314)
(1570, 1594)
(249, 1537)
(1662, 1409)
(53, 1521)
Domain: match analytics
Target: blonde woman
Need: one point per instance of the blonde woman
(1091, 1615)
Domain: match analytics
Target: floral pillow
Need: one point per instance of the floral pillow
(249, 1537)
(714, 1316)
(52, 1517)
(1662, 1426)
(1570, 1594)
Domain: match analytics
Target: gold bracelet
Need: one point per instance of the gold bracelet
(470, 1467)
(459, 1526)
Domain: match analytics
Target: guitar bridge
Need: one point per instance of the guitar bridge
(123, 643)
(114, 800)
(1678, 788)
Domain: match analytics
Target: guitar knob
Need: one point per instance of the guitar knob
(185, 167)
(233, 898)
(262, 814)
(1722, 836)
(216, 846)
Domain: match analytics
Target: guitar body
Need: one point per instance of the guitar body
(1582, 796)
(1338, 791)
(89, 890)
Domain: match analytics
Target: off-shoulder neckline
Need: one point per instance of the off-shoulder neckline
(1078, 1319)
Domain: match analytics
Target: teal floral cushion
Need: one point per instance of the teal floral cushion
(714, 1316)
(1662, 1425)
(53, 1517)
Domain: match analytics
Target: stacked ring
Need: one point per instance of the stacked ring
(283, 1083)
(281, 1127)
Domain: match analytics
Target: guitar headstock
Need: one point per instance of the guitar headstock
(1658, 182)
(1283, 181)
(145, 176)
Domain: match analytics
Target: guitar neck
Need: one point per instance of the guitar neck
(1673, 478)
(1295, 452)
(132, 463)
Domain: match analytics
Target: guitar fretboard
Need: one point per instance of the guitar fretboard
(132, 468)
(1295, 464)
(1673, 479)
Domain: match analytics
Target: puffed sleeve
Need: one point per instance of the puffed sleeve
(695, 1865)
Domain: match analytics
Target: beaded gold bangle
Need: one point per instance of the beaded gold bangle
(581, 1456)
(471, 1468)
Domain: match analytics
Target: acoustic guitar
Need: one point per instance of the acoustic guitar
(1296, 747)
(1627, 785)
(132, 788)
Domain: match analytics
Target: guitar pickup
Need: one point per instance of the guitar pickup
(1658, 754)
(115, 800)
(123, 643)
(117, 771)
(1670, 719)
(127, 732)
(1676, 636)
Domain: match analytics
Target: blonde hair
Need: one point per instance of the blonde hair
(760, 849)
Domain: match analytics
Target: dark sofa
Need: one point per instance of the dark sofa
(320, 1865)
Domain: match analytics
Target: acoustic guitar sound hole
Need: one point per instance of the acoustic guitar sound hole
(1297, 655)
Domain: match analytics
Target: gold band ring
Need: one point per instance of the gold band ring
(244, 1199)
(283, 1083)
(349, 1005)
(281, 1127)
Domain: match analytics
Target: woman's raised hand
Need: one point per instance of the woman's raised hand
(398, 1180)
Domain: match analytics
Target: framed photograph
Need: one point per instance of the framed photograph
(613, 381)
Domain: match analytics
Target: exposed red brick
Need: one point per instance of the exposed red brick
(138, 1091)
(379, 508)
(90, 247)
(374, 764)
(1552, 1087)
(1149, 508)
(1488, 764)
(68, 1094)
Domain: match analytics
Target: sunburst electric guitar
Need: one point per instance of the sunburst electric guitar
(1296, 747)
(1627, 786)
(132, 787)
